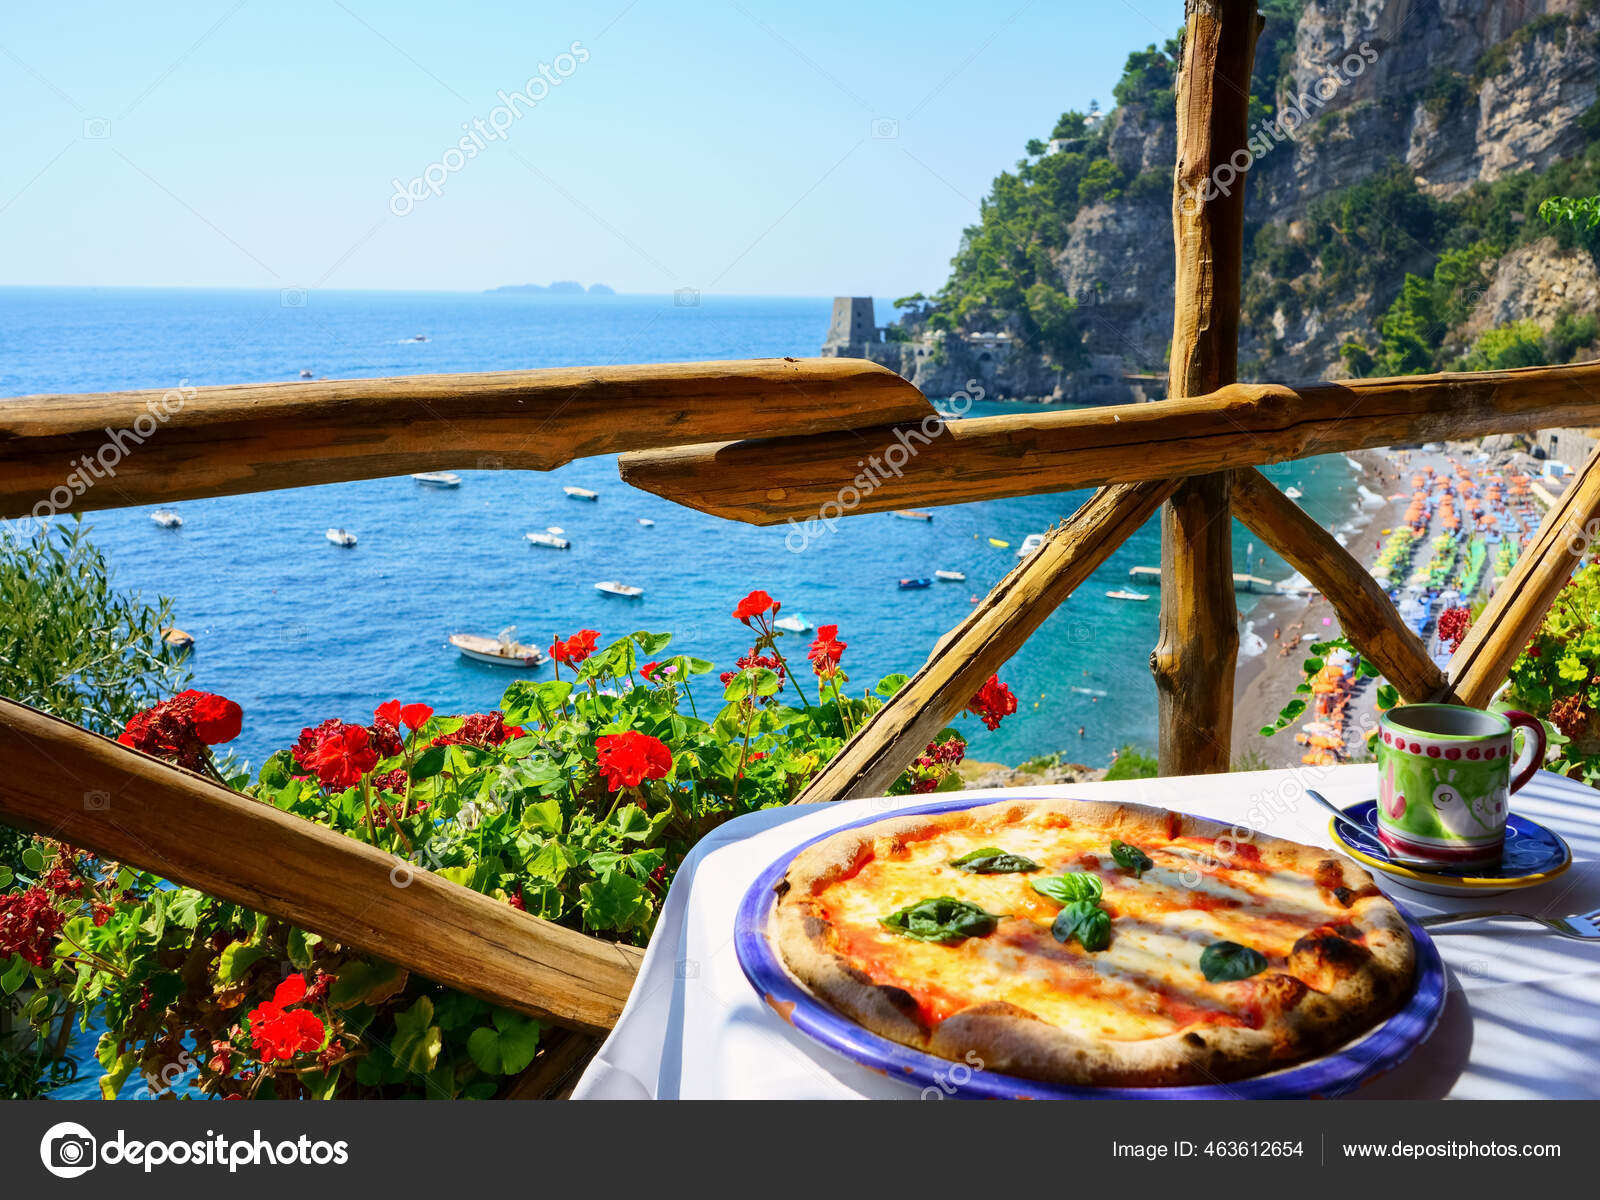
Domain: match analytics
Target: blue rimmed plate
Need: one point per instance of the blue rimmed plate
(1345, 1069)
(1533, 855)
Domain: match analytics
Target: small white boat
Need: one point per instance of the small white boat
(950, 576)
(911, 514)
(167, 519)
(178, 639)
(549, 540)
(1293, 493)
(1029, 544)
(341, 537)
(613, 588)
(419, 337)
(794, 623)
(501, 651)
(1121, 594)
(305, 374)
(580, 493)
(646, 522)
(438, 479)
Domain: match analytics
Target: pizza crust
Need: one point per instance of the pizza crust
(1339, 981)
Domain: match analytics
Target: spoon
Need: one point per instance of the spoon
(1347, 819)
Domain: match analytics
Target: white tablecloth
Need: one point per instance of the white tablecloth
(1522, 1019)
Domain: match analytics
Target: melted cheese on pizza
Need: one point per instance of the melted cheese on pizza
(1147, 983)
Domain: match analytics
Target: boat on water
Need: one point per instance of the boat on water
(419, 337)
(502, 650)
(1293, 493)
(178, 639)
(911, 585)
(167, 519)
(950, 576)
(438, 479)
(794, 623)
(646, 522)
(1124, 594)
(912, 514)
(1029, 544)
(999, 545)
(341, 537)
(548, 540)
(612, 587)
(580, 493)
(305, 374)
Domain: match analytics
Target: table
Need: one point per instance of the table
(1522, 1019)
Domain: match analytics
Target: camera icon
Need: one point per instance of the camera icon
(885, 128)
(292, 297)
(67, 1150)
(97, 128)
(686, 298)
(96, 801)
(687, 969)
(491, 462)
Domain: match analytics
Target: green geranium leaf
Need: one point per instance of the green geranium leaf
(507, 1046)
(365, 981)
(890, 684)
(429, 763)
(14, 973)
(616, 900)
(652, 644)
(236, 959)
(417, 1040)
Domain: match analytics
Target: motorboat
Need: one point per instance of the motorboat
(502, 650)
(167, 519)
(341, 537)
(911, 514)
(950, 576)
(1293, 493)
(1029, 544)
(1123, 594)
(580, 493)
(999, 545)
(306, 374)
(646, 522)
(178, 639)
(794, 623)
(912, 585)
(548, 540)
(438, 479)
(612, 587)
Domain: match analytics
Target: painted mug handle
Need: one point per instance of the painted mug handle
(1532, 756)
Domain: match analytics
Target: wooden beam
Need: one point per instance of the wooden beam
(1197, 651)
(86, 790)
(870, 761)
(1363, 608)
(1518, 606)
(73, 453)
(767, 482)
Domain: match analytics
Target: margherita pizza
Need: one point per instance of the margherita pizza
(1093, 943)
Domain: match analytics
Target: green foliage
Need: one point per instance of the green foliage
(1520, 344)
(1557, 677)
(1148, 78)
(71, 643)
(1133, 763)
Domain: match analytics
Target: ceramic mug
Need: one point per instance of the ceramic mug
(1445, 777)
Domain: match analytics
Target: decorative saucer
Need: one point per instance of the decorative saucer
(1533, 855)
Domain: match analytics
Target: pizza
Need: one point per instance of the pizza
(1092, 943)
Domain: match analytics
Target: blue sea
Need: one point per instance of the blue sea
(296, 629)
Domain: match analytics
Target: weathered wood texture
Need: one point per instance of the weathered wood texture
(73, 453)
(1195, 655)
(1518, 606)
(980, 645)
(766, 482)
(57, 780)
(1364, 610)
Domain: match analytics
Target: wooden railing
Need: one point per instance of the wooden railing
(765, 442)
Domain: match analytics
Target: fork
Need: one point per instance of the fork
(1585, 927)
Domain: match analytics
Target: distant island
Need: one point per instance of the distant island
(562, 287)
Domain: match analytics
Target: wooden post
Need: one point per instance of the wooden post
(1195, 657)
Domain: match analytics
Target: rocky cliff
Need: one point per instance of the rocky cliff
(1394, 138)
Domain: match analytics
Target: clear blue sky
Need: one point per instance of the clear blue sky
(722, 144)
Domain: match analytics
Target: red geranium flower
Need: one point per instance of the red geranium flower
(338, 754)
(278, 1034)
(29, 922)
(628, 759)
(651, 669)
(180, 728)
(216, 718)
(576, 648)
(1453, 626)
(415, 716)
(826, 651)
(388, 713)
(480, 729)
(756, 606)
(993, 702)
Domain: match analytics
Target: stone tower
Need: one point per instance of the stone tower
(852, 324)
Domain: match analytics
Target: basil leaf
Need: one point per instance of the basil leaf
(941, 919)
(991, 860)
(1222, 962)
(1131, 858)
(1074, 885)
(1086, 921)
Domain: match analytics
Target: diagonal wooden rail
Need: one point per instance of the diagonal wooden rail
(93, 793)
(63, 454)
